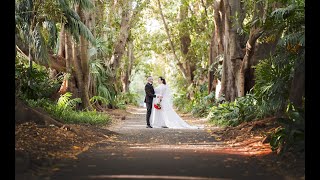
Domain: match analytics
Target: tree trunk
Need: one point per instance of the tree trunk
(55, 61)
(69, 76)
(128, 68)
(233, 54)
(210, 62)
(255, 33)
(78, 70)
(61, 51)
(216, 44)
(297, 90)
(84, 46)
(262, 51)
(185, 41)
(179, 64)
(30, 65)
(119, 47)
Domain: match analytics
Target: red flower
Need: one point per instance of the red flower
(157, 105)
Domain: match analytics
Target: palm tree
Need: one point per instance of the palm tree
(36, 34)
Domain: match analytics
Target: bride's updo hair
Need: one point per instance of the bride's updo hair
(163, 80)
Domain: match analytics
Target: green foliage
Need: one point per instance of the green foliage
(273, 77)
(277, 138)
(36, 24)
(123, 99)
(233, 113)
(99, 99)
(202, 107)
(200, 103)
(292, 133)
(270, 95)
(182, 103)
(291, 18)
(102, 76)
(73, 22)
(37, 30)
(68, 115)
(65, 101)
(35, 84)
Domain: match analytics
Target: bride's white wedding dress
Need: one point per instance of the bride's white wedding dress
(166, 116)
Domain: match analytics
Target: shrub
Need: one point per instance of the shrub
(35, 84)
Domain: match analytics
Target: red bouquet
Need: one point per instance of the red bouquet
(157, 105)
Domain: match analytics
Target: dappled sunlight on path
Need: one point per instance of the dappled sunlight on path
(153, 177)
(137, 152)
(195, 140)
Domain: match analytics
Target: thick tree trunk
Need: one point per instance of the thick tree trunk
(210, 62)
(119, 47)
(185, 43)
(233, 54)
(68, 50)
(262, 51)
(61, 51)
(84, 46)
(216, 44)
(255, 33)
(128, 68)
(297, 90)
(78, 70)
(30, 66)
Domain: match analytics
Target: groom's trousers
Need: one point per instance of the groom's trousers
(149, 107)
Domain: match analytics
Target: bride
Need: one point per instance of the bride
(166, 117)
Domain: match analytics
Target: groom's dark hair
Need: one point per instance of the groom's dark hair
(163, 80)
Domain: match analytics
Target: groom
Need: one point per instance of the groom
(149, 98)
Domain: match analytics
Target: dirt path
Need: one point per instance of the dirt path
(141, 153)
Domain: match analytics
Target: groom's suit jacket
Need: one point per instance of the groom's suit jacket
(149, 93)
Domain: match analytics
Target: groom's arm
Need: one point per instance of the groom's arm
(148, 92)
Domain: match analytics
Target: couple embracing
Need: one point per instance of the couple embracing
(160, 113)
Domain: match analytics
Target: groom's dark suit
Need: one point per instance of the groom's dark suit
(148, 100)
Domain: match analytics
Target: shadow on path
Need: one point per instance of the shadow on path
(141, 153)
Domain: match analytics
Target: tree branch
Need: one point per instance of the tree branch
(171, 43)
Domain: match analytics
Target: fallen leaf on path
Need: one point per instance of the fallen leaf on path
(76, 147)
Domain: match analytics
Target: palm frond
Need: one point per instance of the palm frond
(23, 13)
(23, 9)
(84, 4)
(74, 24)
(96, 67)
(53, 33)
(39, 45)
(72, 103)
(282, 13)
(100, 49)
(64, 98)
(103, 91)
(293, 39)
(92, 52)
(95, 99)
(65, 101)
(77, 28)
